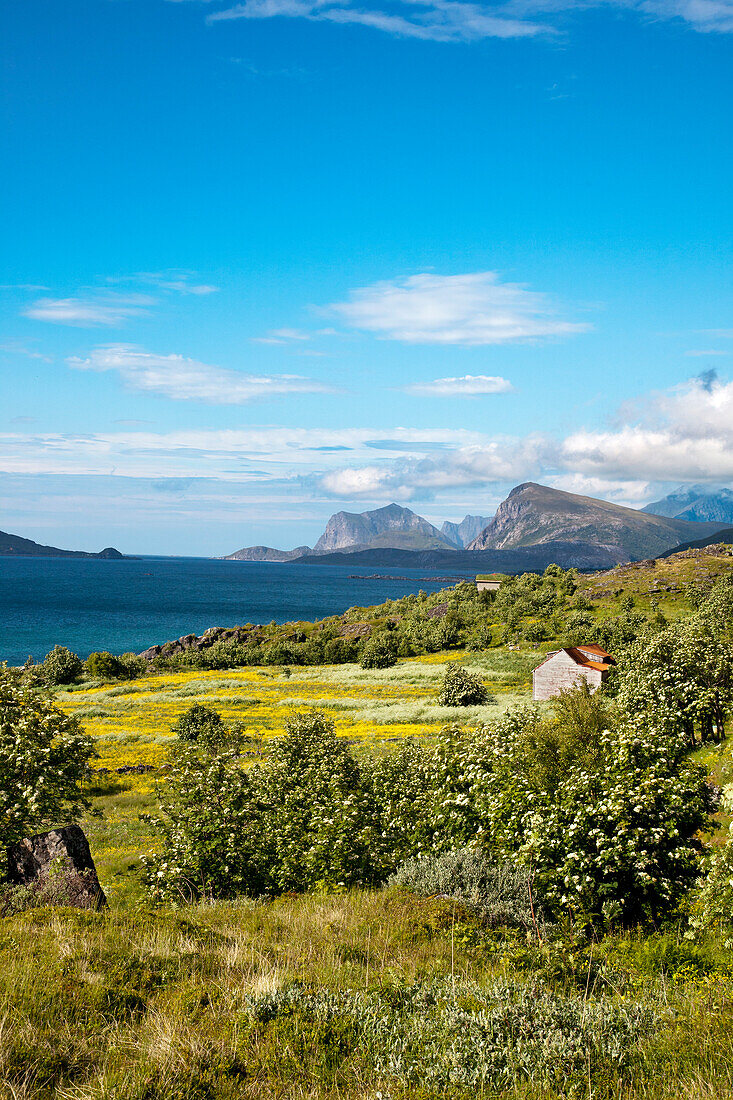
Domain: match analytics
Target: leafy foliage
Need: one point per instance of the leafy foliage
(61, 666)
(378, 652)
(44, 761)
(201, 724)
(103, 665)
(462, 688)
(500, 893)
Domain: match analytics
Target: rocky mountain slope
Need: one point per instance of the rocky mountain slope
(460, 534)
(534, 514)
(16, 545)
(392, 526)
(700, 503)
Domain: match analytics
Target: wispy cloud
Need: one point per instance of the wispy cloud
(458, 21)
(185, 379)
(469, 310)
(433, 20)
(470, 385)
(179, 282)
(282, 336)
(704, 353)
(95, 311)
(14, 348)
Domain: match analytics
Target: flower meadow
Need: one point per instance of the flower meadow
(324, 882)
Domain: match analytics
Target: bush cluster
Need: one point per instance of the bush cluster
(605, 820)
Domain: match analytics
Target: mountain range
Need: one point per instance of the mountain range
(532, 515)
(696, 502)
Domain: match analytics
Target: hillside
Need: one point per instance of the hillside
(699, 503)
(268, 553)
(535, 514)
(580, 555)
(18, 546)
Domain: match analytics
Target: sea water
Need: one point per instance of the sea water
(90, 604)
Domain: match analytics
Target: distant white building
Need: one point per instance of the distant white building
(489, 582)
(565, 668)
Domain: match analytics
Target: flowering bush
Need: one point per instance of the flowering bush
(462, 688)
(44, 760)
(610, 828)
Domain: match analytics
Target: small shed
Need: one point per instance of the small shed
(565, 668)
(489, 582)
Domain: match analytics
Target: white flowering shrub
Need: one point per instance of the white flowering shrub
(44, 762)
(681, 679)
(712, 906)
(609, 827)
(317, 813)
(209, 825)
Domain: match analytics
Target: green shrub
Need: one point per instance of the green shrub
(131, 666)
(608, 818)
(479, 638)
(500, 893)
(103, 665)
(61, 666)
(461, 688)
(378, 652)
(200, 724)
(209, 822)
(44, 761)
(319, 820)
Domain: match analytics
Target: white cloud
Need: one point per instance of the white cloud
(90, 312)
(282, 336)
(246, 454)
(470, 385)
(14, 348)
(704, 353)
(469, 310)
(435, 20)
(684, 434)
(458, 21)
(189, 380)
(179, 282)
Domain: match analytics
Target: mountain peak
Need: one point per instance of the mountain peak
(533, 514)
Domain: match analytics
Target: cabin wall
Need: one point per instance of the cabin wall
(560, 674)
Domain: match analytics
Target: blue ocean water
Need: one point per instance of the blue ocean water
(91, 604)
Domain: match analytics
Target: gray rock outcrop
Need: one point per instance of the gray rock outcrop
(60, 864)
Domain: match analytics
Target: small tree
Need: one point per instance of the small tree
(61, 666)
(209, 822)
(201, 725)
(319, 820)
(462, 688)
(44, 761)
(378, 652)
(103, 665)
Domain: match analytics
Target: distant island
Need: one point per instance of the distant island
(16, 546)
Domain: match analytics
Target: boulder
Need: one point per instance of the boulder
(58, 862)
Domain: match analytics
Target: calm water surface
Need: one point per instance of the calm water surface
(90, 604)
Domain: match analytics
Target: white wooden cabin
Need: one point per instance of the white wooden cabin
(565, 668)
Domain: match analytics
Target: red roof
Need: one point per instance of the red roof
(579, 655)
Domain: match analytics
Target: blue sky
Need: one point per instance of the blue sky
(263, 261)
